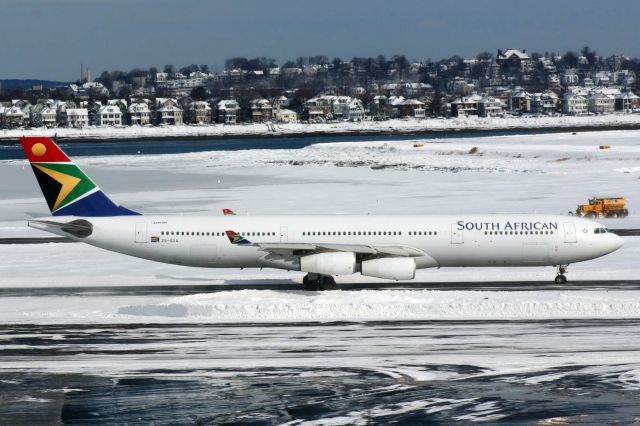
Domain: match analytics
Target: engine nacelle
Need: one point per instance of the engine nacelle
(391, 268)
(339, 263)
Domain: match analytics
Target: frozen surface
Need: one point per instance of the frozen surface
(547, 355)
(523, 174)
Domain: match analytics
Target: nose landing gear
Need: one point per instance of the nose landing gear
(317, 282)
(560, 277)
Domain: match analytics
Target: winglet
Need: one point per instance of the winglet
(228, 212)
(236, 238)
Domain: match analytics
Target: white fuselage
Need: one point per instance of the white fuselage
(448, 240)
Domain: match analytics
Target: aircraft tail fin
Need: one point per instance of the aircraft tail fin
(66, 188)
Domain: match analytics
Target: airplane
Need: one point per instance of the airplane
(324, 246)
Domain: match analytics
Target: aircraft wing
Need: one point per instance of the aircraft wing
(289, 249)
(310, 248)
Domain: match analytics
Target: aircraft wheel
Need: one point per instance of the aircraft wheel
(561, 279)
(328, 283)
(309, 284)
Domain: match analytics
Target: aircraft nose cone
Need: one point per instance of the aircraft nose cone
(617, 242)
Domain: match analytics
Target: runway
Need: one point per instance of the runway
(187, 289)
(520, 372)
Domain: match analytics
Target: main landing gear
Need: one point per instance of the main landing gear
(561, 278)
(317, 282)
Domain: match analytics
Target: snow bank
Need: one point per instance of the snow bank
(390, 126)
(370, 305)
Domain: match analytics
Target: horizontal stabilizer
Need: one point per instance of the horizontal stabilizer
(78, 228)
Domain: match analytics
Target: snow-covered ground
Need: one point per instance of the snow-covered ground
(508, 174)
(389, 126)
(519, 355)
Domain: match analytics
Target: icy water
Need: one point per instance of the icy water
(79, 148)
(428, 372)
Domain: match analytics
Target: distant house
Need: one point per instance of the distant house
(601, 103)
(353, 111)
(338, 104)
(603, 78)
(139, 113)
(317, 108)
(574, 104)
(284, 115)
(569, 78)
(544, 103)
(169, 114)
(199, 112)
(412, 108)
(47, 117)
(520, 101)
(514, 58)
(391, 107)
(76, 117)
(261, 110)
(465, 106)
(109, 115)
(489, 106)
(627, 102)
(376, 106)
(227, 111)
(13, 116)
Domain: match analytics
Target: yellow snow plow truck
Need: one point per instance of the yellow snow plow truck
(604, 207)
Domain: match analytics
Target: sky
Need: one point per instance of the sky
(49, 39)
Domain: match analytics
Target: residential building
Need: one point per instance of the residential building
(227, 111)
(261, 110)
(109, 115)
(574, 104)
(169, 114)
(353, 111)
(76, 117)
(544, 103)
(139, 113)
(47, 117)
(199, 112)
(284, 115)
(514, 58)
(13, 116)
(627, 102)
(465, 106)
(601, 103)
(489, 106)
(318, 108)
(520, 101)
(412, 108)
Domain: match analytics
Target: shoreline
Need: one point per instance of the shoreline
(292, 130)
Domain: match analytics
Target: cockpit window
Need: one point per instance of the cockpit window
(600, 231)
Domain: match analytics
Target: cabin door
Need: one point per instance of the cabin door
(284, 234)
(141, 232)
(569, 232)
(457, 236)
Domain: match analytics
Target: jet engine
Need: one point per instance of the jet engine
(392, 268)
(335, 263)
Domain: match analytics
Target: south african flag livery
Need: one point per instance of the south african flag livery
(236, 238)
(67, 190)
